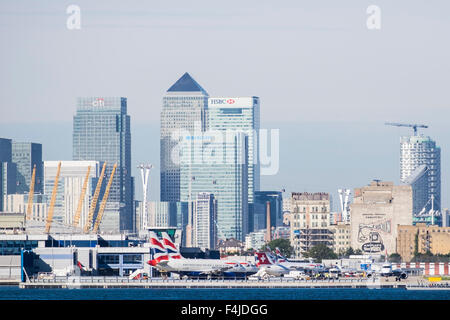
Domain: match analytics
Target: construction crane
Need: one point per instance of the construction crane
(410, 125)
(105, 198)
(87, 226)
(76, 219)
(31, 194)
(52, 201)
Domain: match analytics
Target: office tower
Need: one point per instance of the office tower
(204, 213)
(101, 132)
(26, 155)
(217, 164)
(416, 151)
(240, 114)
(276, 209)
(8, 171)
(70, 185)
(184, 110)
(5, 150)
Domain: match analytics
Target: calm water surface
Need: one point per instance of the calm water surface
(15, 293)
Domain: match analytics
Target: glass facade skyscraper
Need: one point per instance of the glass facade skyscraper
(26, 155)
(184, 110)
(216, 163)
(101, 132)
(7, 171)
(420, 150)
(240, 114)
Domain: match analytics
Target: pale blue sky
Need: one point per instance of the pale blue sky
(320, 73)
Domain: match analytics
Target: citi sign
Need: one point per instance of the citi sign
(223, 101)
(99, 102)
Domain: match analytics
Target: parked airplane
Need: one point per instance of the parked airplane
(298, 265)
(268, 266)
(164, 260)
(385, 270)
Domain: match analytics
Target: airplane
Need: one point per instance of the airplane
(296, 265)
(268, 266)
(385, 270)
(172, 261)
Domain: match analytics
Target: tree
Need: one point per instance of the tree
(395, 258)
(283, 244)
(320, 252)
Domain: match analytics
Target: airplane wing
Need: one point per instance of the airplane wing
(217, 270)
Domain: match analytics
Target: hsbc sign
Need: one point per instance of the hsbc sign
(242, 102)
(222, 101)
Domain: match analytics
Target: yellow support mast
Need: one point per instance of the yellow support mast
(76, 219)
(88, 223)
(105, 198)
(52, 201)
(31, 194)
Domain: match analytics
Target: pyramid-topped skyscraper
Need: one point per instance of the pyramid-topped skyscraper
(184, 110)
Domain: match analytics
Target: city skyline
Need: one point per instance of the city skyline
(316, 66)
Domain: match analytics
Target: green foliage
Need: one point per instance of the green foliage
(346, 253)
(416, 243)
(429, 257)
(395, 258)
(320, 252)
(283, 244)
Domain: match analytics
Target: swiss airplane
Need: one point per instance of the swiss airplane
(268, 266)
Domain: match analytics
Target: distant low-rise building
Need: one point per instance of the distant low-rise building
(230, 246)
(255, 240)
(341, 236)
(310, 221)
(423, 239)
(376, 211)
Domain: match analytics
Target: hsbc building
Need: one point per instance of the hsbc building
(240, 114)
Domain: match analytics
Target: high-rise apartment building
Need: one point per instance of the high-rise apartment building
(183, 112)
(204, 229)
(26, 155)
(101, 132)
(416, 151)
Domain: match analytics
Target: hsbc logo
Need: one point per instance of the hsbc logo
(223, 101)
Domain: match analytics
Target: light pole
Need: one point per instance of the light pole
(144, 176)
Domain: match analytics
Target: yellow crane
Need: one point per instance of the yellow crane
(88, 223)
(31, 194)
(76, 219)
(105, 198)
(52, 201)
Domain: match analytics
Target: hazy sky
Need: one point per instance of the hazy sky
(322, 76)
